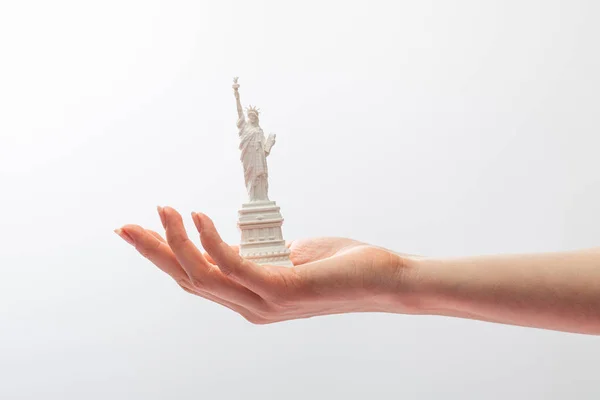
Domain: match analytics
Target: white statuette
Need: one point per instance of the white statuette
(259, 220)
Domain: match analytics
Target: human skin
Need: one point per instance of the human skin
(559, 291)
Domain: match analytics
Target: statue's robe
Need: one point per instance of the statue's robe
(254, 151)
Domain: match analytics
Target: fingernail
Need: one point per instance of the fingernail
(161, 214)
(196, 220)
(125, 236)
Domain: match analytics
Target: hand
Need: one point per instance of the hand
(330, 275)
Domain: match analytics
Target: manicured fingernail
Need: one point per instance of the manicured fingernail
(161, 214)
(125, 236)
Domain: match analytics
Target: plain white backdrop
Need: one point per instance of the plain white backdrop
(429, 127)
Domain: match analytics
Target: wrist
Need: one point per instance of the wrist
(396, 284)
(413, 282)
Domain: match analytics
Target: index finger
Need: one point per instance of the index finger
(249, 274)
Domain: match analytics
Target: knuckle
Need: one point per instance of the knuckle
(146, 250)
(227, 271)
(280, 304)
(212, 273)
(269, 310)
(178, 239)
(198, 283)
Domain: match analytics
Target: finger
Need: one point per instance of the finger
(159, 253)
(203, 275)
(229, 261)
(156, 235)
(153, 249)
(244, 312)
(210, 259)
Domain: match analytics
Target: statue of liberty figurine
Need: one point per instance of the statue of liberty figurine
(254, 150)
(259, 219)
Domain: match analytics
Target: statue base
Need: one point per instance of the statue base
(262, 240)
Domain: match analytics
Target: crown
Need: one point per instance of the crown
(252, 109)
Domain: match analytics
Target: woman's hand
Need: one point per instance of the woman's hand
(330, 275)
(558, 291)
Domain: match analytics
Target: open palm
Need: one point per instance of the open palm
(330, 275)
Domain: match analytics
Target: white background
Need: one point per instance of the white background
(429, 127)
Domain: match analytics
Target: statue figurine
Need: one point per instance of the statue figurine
(259, 220)
(254, 150)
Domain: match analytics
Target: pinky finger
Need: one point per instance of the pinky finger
(244, 312)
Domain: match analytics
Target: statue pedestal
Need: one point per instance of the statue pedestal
(262, 240)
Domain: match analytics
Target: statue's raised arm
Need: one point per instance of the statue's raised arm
(235, 87)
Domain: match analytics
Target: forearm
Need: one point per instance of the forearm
(559, 291)
(238, 104)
